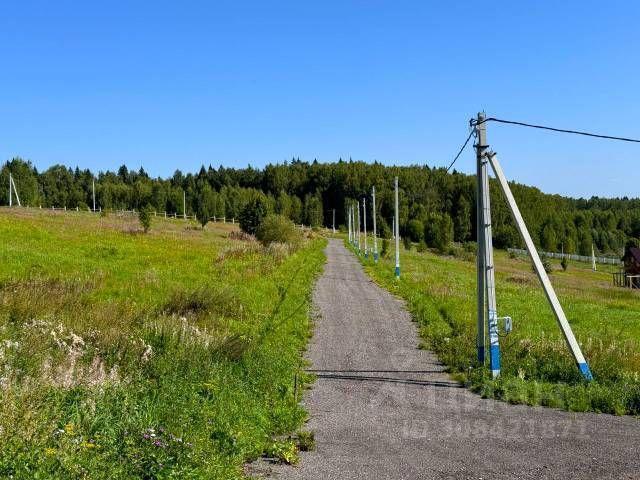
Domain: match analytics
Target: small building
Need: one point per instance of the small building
(630, 275)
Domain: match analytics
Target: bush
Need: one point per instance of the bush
(546, 264)
(384, 253)
(278, 229)
(422, 247)
(406, 241)
(144, 215)
(253, 214)
(564, 263)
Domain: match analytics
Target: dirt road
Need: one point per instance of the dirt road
(383, 409)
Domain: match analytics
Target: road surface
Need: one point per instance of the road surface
(383, 409)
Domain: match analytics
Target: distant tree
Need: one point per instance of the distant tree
(564, 263)
(313, 210)
(445, 237)
(462, 220)
(144, 215)
(253, 214)
(202, 214)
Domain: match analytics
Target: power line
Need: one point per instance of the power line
(561, 130)
(473, 130)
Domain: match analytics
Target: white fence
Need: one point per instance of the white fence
(135, 212)
(571, 256)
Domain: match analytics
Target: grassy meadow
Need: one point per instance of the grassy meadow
(537, 367)
(172, 354)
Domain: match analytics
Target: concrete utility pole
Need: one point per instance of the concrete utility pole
(550, 293)
(184, 204)
(10, 194)
(397, 229)
(480, 265)
(334, 220)
(375, 231)
(359, 227)
(593, 259)
(364, 222)
(93, 189)
(488, 269)
(349, 222)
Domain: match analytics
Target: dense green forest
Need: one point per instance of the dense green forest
(308, 192)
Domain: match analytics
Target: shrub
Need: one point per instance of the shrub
(406, 241)
(546, 264)
(384, 253)
(422, 247)
(278, 229)
(564, 263)
(253, 214)
(144, 215)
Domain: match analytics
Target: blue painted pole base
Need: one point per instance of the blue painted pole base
(375, 257)
(585, 371)
(397, 272)
(494, 360)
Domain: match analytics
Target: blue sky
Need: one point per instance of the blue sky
(168, 85)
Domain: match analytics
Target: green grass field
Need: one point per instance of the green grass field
(172, 354)
(537, 367)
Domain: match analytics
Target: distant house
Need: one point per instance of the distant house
(630, 277)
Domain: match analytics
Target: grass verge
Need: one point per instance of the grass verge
(537, 368)
(171, 354)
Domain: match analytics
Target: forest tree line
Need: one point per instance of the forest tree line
(307, 192)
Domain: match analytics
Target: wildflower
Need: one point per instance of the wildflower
(68, 428)
(89, 445)
(49, 452)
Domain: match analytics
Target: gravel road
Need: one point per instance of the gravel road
(383, 409)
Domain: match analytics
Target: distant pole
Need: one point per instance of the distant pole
(15, 190)
(10, 195)
(334, 220)
(349, 222)
(184, 204)
(359, 227)
(93, 188)
(364, 223)
(397, 232)
(593, 259)
(375, 231)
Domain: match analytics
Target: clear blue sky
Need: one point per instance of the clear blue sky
(168, 84)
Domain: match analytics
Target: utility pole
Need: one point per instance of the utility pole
(364, 222)
(184, 204)
(359, 226)
(10, 186)
(334, 221)
(349, 222)
(488, 269)
(375, 231)
(480, 265)
(93, 189)
(593, 259)
(397, 230)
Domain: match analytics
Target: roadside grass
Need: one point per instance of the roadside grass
(171, 354)
(537, 368)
